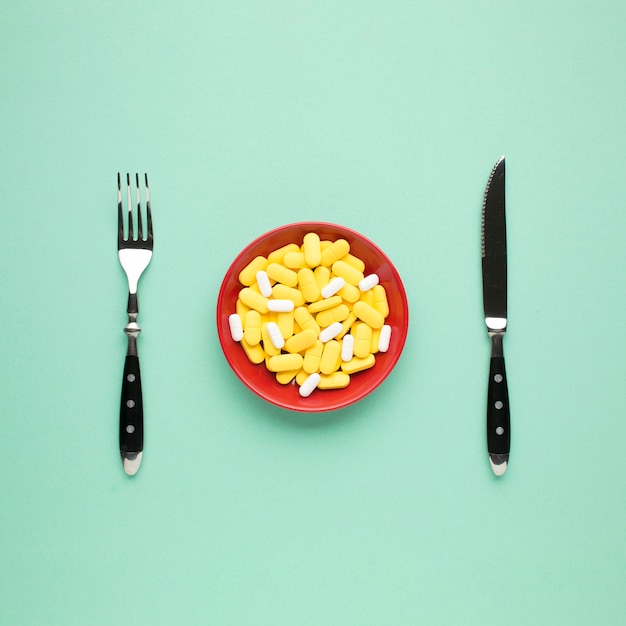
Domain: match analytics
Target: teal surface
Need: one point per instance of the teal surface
(386, 117)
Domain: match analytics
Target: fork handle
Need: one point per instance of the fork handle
(131, 415)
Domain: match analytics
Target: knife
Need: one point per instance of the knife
(494, 301)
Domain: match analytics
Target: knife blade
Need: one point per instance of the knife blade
(494, 265)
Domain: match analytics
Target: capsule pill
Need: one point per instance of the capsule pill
(263, 281)
(309, 385)
(236, 327)
(281, 306)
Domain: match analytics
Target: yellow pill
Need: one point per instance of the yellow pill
(357, 364)
(252, 327)
(380, 300)
(282, 274)
(335, 314)
(312, 357)
(285, 323)
(312, 249)
(301, 376)
(326, 303)
(253, 300)
(354, 261)
(375, 340)
(308, 285)
(336, 380)
(294, 260)
(277, 256)
(254, 353)
(282, 292)
(347, 272)
(324, 244)
(334, 252)
(241, 309)
(368, 314)
(284, 378)
(285, 362)
(303, 340)
(322, 276)
(346, 325)
(247, 276)
(331, 357)
(362, 340)
(368, 297)
(350, 293)
(305, 320)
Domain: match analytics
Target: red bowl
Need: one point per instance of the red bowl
(261, 381)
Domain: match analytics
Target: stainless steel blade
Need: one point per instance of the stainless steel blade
(494, 250)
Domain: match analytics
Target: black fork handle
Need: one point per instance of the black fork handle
(131, 409)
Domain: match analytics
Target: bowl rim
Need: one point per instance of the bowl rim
(334, 400)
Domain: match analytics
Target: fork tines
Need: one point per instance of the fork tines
(130, 230)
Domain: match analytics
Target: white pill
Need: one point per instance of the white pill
(333, 287)
(309, 385)
(347, 347)
(384, 338)
(275, 335)
(330, 331)
(368, 282)
(236, 327)
(263, 281)
(282, 306)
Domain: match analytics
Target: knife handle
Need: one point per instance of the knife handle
(498, 414)
(131, 409)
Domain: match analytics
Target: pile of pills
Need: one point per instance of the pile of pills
(310, 313)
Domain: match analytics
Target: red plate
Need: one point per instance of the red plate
(263, 382)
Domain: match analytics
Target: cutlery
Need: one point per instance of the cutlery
(134, 254)
(494, 301)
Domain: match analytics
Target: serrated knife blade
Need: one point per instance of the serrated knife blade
(494, 266)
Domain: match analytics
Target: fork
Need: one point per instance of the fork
(134, 254)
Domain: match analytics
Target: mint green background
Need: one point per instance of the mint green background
(385, 117)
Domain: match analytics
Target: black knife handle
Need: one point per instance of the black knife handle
(498, 413)
(131, 408)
